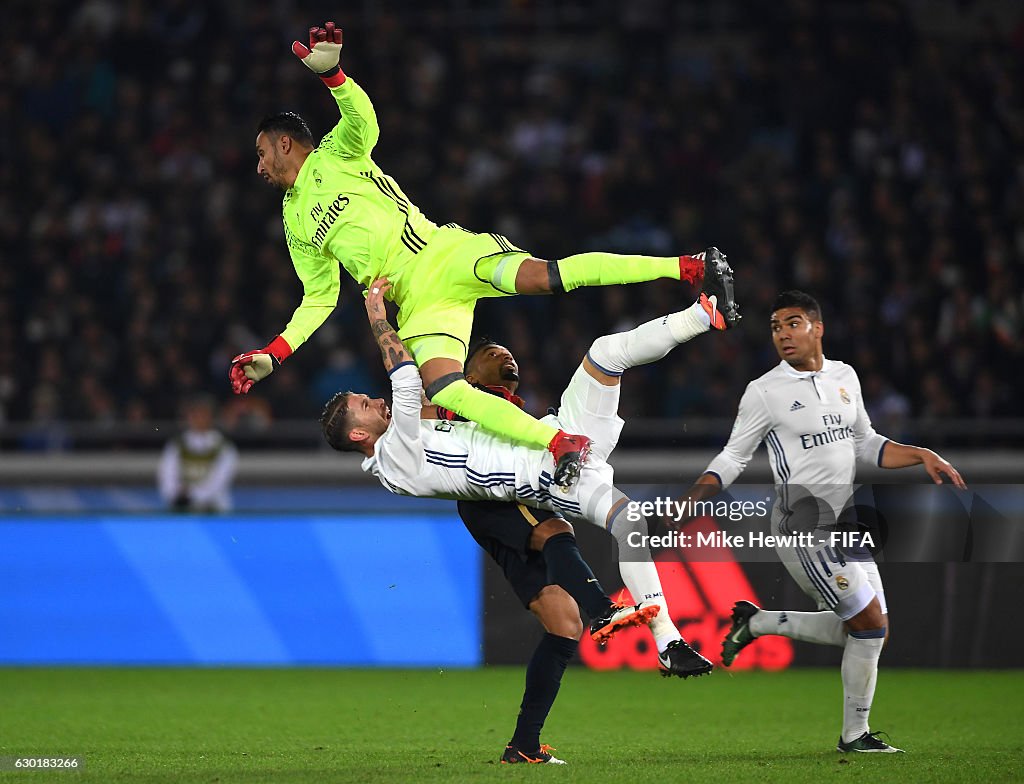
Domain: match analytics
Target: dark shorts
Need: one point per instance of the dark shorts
(503, 529)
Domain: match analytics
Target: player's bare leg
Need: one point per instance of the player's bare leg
(559, 614)
(556, 539)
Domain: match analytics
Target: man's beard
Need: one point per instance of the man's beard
(508, 374)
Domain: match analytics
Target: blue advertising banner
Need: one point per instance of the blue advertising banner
(348, 590)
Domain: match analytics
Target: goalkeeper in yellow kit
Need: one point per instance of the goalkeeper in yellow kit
(340, 209)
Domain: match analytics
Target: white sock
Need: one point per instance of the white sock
(687, 324)
(643, 582)
(649, 342)
(860, 672)
(636, 566)
(823, 628)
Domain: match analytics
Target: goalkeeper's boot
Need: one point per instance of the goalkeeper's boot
(718, 292)
(681, 660)
(570, 453)
(868, 743)
(739, 635)
(691, 269)
(619, 617)
(514, 755)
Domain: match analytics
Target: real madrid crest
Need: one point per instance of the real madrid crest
(844, 395)
(842, 582)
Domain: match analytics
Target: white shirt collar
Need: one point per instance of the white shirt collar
(790, 371)
(369, 464)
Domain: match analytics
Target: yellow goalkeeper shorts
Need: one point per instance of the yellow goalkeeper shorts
(437, 291)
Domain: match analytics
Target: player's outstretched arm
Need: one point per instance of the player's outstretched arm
(896, 455)
(357, 132)
(403, 443)
(321, 284)
(392, 349)
(707, 486)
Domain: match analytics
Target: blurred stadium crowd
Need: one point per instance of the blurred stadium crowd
(840, 148)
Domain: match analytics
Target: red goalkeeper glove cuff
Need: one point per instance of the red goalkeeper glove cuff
(253, 366)
(279, 349)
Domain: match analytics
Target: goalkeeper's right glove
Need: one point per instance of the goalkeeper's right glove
(323, 55)
(253, 366)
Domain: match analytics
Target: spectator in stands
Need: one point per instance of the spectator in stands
(875, 159)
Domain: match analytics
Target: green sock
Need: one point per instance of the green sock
(495, 413)
(606, 269)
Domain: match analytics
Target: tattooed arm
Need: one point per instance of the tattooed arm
(392, 350)
(399, 450)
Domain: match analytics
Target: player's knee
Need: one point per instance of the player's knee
(609, 357)
(553, 526)
(626, 526)
(537, 277)
(871, 617)
(558, 613)
(603, 351)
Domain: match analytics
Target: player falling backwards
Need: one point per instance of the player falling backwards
(809, 411)
(414, 452)
(538, 555)
(340, 209)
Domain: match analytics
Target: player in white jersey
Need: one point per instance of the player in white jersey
(412, 452)
(809, 412)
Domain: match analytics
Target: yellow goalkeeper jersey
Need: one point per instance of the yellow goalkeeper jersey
(343, 211)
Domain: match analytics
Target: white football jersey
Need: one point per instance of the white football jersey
(815, 428)
(459, 460)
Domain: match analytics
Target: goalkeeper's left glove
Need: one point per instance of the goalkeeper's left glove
(253, 366)
(323, 55)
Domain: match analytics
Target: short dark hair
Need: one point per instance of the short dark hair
(798, 299)
(286, 123)
(476, 346)
(334, 423)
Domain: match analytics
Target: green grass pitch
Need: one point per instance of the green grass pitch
(312, 725)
